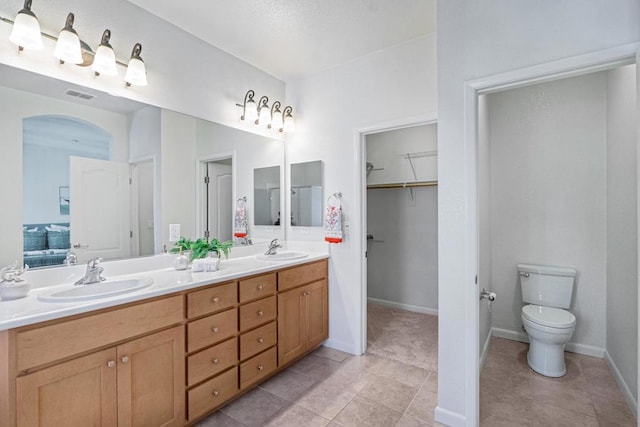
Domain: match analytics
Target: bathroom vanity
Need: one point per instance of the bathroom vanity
(167, 357)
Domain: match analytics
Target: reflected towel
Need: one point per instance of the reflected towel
(240, 220)
(333, 224)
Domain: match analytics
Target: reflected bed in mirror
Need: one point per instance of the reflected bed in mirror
(306, 194)
(47, 122)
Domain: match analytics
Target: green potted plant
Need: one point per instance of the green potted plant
(201, 247)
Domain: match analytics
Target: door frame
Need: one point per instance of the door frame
(133, 189)
(361, 159)
(568, 67)
(201, 172)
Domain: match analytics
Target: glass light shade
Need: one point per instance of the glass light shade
(104, 62)
(136, 73)
(276, 120)
(26, 31)
(68, 47)
(265, 115)
(251, 111)
(289, 125)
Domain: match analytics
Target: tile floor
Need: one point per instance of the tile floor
(511, 394)
(395, 384)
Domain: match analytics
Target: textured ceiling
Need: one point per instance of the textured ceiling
(293, 38)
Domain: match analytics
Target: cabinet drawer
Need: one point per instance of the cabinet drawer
(304, 274)
(257, 287)
(213, 393)
(257, 368)
(211, 300)
(50, 343)
(257, 313)
(212, 329)
(211, 361)
(257, 340)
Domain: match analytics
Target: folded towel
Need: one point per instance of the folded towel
(333, 221)
(240, 227)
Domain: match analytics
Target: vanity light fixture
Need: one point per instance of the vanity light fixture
(264, 112)
(136, 71)
(249, 107)
(289, 125)
(26, 29)
(68, 45)
(276, 116)
(104, 61)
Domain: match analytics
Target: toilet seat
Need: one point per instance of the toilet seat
(549, 316)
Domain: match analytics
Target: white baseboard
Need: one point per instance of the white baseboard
(401, 306)
(628, 396)
(449, 418)
(485, 349)
(342, 346)
(587, 350)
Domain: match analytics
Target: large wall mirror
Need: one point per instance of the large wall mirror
(104, 176)
(306, 194)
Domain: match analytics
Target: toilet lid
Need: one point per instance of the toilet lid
(548, 316)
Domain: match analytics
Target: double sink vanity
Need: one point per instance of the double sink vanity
(164, 354)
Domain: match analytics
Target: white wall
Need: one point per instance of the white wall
(622, 224)
(402, 260)
(16, 105)
(387, 150)
(548, 195)
(393, 84)
(477, 39)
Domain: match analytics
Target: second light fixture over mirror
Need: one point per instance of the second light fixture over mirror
(261, 114)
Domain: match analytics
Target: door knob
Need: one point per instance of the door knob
(485, 294)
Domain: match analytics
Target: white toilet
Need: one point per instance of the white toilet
(548, 292)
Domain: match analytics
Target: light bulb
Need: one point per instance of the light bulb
(104, 61)
(68, 44)
(26, 29)
(136, 71)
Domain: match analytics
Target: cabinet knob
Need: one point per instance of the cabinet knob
(260, 367)
(306, 294)
(260, 340)
(215, 360)
(260, 313)
(215, 392)
(215, 300)
(215, 329)
(111, 363)
(124, 359)
(260, 287)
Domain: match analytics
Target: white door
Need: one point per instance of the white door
(219, 201)
(99, 208)
(225, 207)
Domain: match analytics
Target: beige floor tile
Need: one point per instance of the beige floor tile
(296, 416)
(318, 368)
(560, 395)
(363, 412)
(504, 407)
(409, 421)
(552, 416)
(502, 381)
(326, 400)
(219, 419)
(289, 384)
(423, 405)
(612, 412)
(389, 392)
(255, 407)
(504, 422)
(432, 382)
(330, 353)
(402, 372)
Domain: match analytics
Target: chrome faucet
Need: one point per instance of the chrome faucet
(273, 247)
(93, 274)
(245, 241)
(71, 258)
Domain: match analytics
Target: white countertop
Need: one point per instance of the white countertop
(166, 280)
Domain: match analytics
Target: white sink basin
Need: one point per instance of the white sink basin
(283, 256)
(96, 290)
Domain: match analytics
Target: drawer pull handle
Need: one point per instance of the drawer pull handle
(260, 340)
(216, 392)
(111, 364)
(215, 329)
(260, 313)
(124, 359)
(306, 294)
(215, 300)
(215, 360)
(260, 367)
(260, 287)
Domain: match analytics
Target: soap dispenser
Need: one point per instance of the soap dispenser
(182, 261)
(13, 285)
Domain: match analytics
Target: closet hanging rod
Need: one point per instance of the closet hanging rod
(403, 185)
(419, 154)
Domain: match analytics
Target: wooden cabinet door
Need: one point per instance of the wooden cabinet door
(151, 380)
(80, 392)
(291, 328)
(316, 312)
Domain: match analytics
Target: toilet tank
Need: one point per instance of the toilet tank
(545, 285)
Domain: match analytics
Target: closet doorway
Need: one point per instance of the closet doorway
(401, 211)
(218, 199)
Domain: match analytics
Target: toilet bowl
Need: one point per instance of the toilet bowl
(549, 329)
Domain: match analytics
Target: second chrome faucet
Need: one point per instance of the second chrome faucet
(93, 273)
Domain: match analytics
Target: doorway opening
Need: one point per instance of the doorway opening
(217, 201)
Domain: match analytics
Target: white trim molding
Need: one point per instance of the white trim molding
(626, 392)
(402, 306)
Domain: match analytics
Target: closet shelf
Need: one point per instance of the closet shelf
(403, 185)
